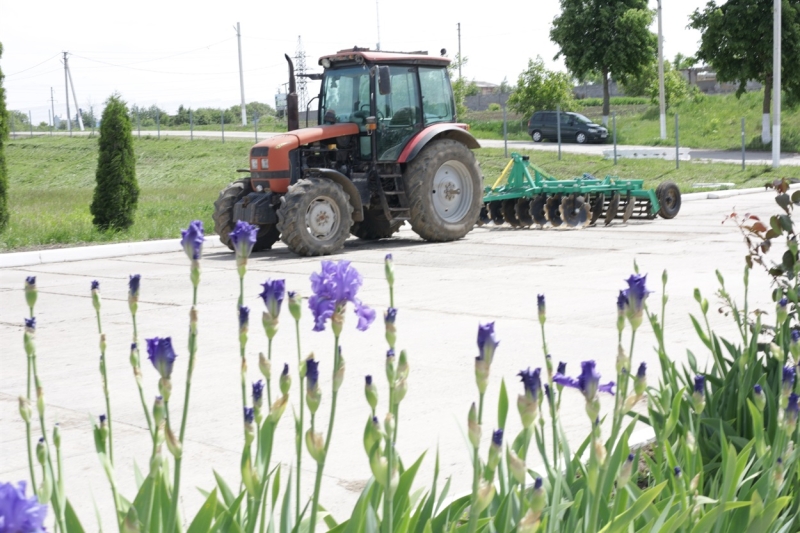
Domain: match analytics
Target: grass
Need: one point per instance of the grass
(52, 181)
(709, 122)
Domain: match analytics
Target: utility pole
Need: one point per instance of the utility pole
(66, 89)
(53, 106)
(378, 18)
(75, 100)
(241, 74)
(661, 96)
(459, 51)
(776, 83)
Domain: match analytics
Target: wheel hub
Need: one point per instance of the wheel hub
(452, 191)
(322, 218)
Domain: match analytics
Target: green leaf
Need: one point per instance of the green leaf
(621, 523)
(276, 486)
(286, 508)
(502, 405)
(371, 522)
(767, 518)
(71, 519)
(265, 445)
(138, 475)
(224, 490)
(403, 488)
(707, 522)
(672, 421)
(203, 519)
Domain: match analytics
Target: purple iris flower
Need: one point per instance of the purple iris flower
(390, 316)
(487, 342)
(700, 384)
(31, 281)
(388, 257)
(562, 368)
(540, 302)
(795, 335)
(161, 354)
(368, 380)
(642, 372)
(285, 369)
(497, 437)
(588, 382)
(792, 408)
(133, 284)
(192, 240)
(622, 301)
(783, 302)
(243, 238)
(637, 292)
(537, 484)
(788, 377)
(95, 285)
(244, 316)
(312, 373)
(102, 419)
(272, 295)
(531, 381)
(678, 471)
(249, 415)
(30, 323)
(19, 513)
(757, 389)
(547, 392)
(333, 287)
(258, 391)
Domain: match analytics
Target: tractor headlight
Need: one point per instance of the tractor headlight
(326, 63)
(254, 164)
(264, 163)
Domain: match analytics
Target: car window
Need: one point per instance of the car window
(549, 118)
(565, 119)
(580, 118)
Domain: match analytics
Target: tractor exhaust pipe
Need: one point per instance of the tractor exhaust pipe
(292, 110)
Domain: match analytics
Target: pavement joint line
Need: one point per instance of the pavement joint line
(125, 250)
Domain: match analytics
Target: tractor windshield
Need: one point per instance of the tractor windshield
(437, 97)
(346, 95)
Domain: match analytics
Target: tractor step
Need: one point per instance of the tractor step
(393, 197)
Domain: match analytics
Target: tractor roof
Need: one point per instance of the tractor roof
(365, 55)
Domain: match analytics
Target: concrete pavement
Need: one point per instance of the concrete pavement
(443, 292)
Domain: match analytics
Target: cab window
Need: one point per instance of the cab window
(437, 101)
(346, 94)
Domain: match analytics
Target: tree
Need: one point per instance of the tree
(539, 88)
(606, 36)
(676, 88)
(116, 193)
(461, 87)
(683, 62)
(3, 136)
(737, 43)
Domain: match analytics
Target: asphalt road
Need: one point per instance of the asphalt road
(443, 292)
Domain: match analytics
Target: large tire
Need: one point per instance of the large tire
(375, 225)
(444, 189)
(224, 222)
(315, 217)
(669, 198)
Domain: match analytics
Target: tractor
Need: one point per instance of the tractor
(388, 149)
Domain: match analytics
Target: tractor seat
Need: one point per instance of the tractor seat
(405, 116)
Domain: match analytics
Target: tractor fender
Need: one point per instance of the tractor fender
(456, 132)
(347, 184)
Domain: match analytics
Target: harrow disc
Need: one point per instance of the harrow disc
(597, 208)
(551, 211)
(628, 209)
(496, 212)
(537, 206)
(574, 211)
(613, 207)
(522, 209)
(510, 213)
(483, 217)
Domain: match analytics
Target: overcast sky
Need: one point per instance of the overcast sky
(171, 52)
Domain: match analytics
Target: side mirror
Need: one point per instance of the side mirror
(384, 81)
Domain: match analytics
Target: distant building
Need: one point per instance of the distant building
(706, 80)
(487, 88)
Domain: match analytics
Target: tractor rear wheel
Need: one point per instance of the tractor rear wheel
(444, 188)
(315, 217)
(224, 221)
(669, 198)
(375, 225)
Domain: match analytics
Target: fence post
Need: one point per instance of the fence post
(91, 111)
(255, 125)
(30, 122)
(158, 122)
(50, 122)
(191, 126)
(742, 143)
(558, 129)
(505, 131)
(13, 129)
(138, 123)
(222, 121)
(614, 125)
(677, 143)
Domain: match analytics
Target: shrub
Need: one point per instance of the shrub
(494, 107)
(116, 193)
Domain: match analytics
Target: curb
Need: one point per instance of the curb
(718, 195)
(103, 251)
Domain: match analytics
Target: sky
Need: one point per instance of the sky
(173, 52)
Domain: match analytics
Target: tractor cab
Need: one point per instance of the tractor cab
(391, 97)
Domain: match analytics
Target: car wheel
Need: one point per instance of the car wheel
(536, 135)
(580, 138)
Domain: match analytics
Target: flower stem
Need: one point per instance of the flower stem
(476, 472)
(388, 510)
(321, 464)
(28, 431)
(302, 414)
(269, 381)
(137, 375)
(105, 391)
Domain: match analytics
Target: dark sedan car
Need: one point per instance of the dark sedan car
(574, 128)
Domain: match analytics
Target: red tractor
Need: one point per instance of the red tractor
(388, 149)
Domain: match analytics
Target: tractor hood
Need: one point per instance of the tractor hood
(269, 159)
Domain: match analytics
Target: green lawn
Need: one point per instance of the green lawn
(52, 180)
(710, 122)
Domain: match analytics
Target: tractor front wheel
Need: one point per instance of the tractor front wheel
(224, 221)
(315, 217)
(444, 190)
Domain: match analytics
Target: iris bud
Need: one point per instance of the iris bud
(517, 466)
(338, 376)
(402, 365)
(372, 434)
(389, 318)
(625, 471)
(390, 370)
(474, 429)
(316, 446)
(388, 425)
(278, 407)
(25, 409)
(758, 396)
(400, 390)
(30, 291)
(371, 392)
(159, 411)
(539, 497)
(529, 522)
(41, 451)
(388, 267)
(485, 495)
(57, 435)
(96, 295)
(295, 305)
(265, 366)
(285, 380)
(173, 444)
(781, 310)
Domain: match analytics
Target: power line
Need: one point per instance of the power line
(165, 72)
(29, 68)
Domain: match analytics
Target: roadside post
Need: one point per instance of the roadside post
(30, 122)
(742, 143)
(614, 125)
(255, 125)
(505, 131)
(222, 122)
(158, 122)
(558, 129)
(677, 144)
(138, 123)
(91, 111)
(191, 126)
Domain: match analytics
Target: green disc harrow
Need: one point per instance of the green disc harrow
(525, 195)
